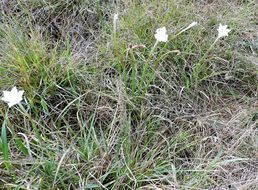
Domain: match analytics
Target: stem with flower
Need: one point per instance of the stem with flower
(162, 55)
(134, 68)
(4, 143)
(35, 129)
(200, 66)
(14, 97)
(146, 66)
(119, 66)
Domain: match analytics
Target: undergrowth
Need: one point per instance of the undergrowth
(104, 107)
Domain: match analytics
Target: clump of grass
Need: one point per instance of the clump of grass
(88, 124)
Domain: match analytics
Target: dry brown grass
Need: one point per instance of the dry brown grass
(96, 134)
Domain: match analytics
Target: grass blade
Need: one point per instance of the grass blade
(5, 146)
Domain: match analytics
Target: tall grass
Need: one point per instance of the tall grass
(105, 108)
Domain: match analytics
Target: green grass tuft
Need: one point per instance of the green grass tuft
(105, 109)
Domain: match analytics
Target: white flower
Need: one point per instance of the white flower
(192, 25)
(114, 22)
(188, 27)
(223, 31)
(12, 97)
(115, 17)
(161, 35)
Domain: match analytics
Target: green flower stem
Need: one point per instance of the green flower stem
(156, 62)
(146, 66)
(116, 53)
(154, 69)
(24, 111)
(134, 68)
(7, 121)
(198, 68)
(5, 147)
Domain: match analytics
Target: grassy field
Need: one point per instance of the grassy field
(107, 107)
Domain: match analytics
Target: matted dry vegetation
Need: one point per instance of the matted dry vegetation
(84, 127)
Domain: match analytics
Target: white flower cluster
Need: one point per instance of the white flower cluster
(12, 97)
(162, 36)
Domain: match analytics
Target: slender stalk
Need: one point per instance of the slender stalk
(116, 53)
(158, 59)
(208, 51)
(146, 66)
(5, 148)
(154, 69)
(24, 111)
(200, 65)
(157, 62)
(124, 73)
(134, 68)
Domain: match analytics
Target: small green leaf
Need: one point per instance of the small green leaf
(21, 146)
(44, 106)
(5, 145)
(1, 149)
(91, 185)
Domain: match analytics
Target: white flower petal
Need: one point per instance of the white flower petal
(12, 97)
(11, 104)
(192, 24)
(4, 99)
(223, 31)
(115, 22)
(14, 90)
(188, 27)
(161, 34)
(6, 93)
(115, 16)
(20, 93)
